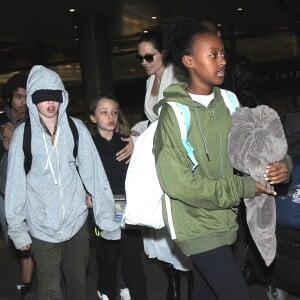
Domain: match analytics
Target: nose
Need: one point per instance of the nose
(222, 61)
(51, 101)
(111, 114)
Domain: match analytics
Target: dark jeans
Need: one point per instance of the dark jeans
(217, 275)
(128, 251)
(67, 260)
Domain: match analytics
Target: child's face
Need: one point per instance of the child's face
(48, 109)
(155, 63)
(207, 63)
(106, 114)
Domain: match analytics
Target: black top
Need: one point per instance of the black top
(115, 170)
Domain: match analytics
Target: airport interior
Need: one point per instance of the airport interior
(60, 34)
(92, 45)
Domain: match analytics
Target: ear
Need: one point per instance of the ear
(187, 61)
(92, 118)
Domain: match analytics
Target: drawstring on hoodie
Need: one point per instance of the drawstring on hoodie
(49, 153)
(50, 166)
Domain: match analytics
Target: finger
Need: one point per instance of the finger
(268, 191)
(123, 156)
(260, 188)
(276, 170)
(274, 164)
(271, 192)
(122, 151)
(277, 177)
(125, 139)
(120, 155)
(271, 169)
(278, 166)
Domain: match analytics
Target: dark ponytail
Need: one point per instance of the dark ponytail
(179, 32)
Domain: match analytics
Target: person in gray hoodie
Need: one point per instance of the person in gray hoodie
(46, 209)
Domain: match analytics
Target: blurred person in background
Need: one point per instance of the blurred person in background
(13, 114)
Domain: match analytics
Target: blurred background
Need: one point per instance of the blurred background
(92, 44)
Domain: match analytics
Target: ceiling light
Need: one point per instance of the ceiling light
(145, 31)
(153, 18)
(71, 10)
(239, 9)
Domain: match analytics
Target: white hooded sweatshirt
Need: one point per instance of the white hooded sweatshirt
(50, 201)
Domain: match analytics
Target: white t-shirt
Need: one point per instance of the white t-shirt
(202, 99)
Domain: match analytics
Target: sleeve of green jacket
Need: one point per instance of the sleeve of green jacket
(179, 182)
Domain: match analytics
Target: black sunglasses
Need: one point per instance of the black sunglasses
(148, 58)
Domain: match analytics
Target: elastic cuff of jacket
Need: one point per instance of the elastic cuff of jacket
(249, 187)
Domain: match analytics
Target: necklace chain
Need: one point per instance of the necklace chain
(201, 132)
(212, 114)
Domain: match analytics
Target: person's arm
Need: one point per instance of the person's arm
(7, 131)
(278, 172)
(178, 180)
(126, 151)
(136, 130)
(95, 180)
(15, 193)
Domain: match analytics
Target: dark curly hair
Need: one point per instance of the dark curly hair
(179, 33)
(154, 37)
(14, 82)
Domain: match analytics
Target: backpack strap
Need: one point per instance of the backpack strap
(75, 136)
(27, 146)
(183, 116)
(230, 100)
(27, 142)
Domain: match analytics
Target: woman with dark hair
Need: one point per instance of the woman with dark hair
(162, 73)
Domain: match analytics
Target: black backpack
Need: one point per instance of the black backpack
(27, 143)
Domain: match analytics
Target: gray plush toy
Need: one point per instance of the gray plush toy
(257, 139)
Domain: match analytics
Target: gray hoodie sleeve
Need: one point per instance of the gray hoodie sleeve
(15, 192)
(95, 181)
